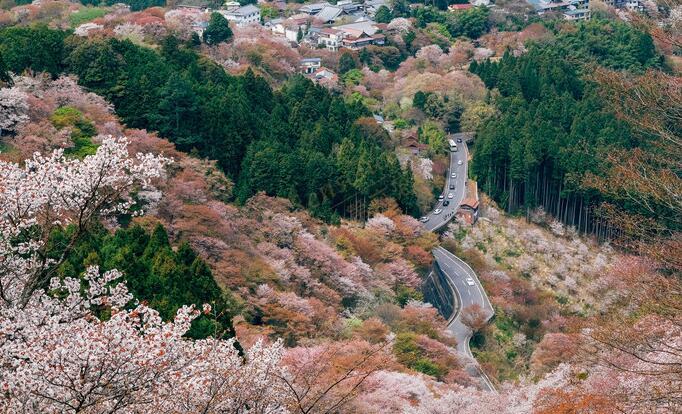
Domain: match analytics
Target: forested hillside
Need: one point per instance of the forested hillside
(300, 142)
(554, 129)
(155, 273)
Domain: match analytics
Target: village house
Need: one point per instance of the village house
(411, 142)
(310, 65)
(313, 8)
(361, 34)
(327, 13)
(468, 209)
(231, 5)
(353, 36)
(199, 28)
(290, 27)
(330, 38)
(243, 16)
(371, 7)
(457, 7)
(569, 9)
(326, 77)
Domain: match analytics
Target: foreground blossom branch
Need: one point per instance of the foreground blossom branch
(60, 352)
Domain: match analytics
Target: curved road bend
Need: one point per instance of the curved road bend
(456, 270)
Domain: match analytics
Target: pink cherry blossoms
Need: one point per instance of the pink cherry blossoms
(59, 350)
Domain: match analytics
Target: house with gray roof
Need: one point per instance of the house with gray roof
(243, 16)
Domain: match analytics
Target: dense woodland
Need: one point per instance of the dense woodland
(554, 129)
(299, 142)
(164, 278)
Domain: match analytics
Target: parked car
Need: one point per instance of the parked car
(451, 196)
(437, 211)
(424, 219)
(459, 139)
(470, 281)
(441, 197)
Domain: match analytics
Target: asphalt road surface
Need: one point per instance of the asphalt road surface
(437, 221)
(461, 278)
(469, 291)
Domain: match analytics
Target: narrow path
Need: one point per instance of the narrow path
(461, 277)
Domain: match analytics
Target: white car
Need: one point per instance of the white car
(424, 219)
(451, 196)
(437, 211)
(441, 197)
(459, 162)
(453, 175)
(470, 281)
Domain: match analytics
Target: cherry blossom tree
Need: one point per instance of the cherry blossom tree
(400, 25)
(326, 377)
(474, 316)
(13, 109)
(84, 345)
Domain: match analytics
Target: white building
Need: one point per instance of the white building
(243, 16)
(310, 65)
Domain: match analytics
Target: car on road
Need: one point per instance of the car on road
(470, 281)
(441, 197)
(451, 196)
(459, 139)
(453, 175)
(424, 219)
(459, 162)
(452, 186)
(446, 203)
(437, 211)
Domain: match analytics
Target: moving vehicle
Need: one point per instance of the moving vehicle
(453, 145)
(446, 203)
(470, 281)
(452, 186)
(453, 175)
(459, 162)
(424, 219)
(441, 197)
(459, 139)
(437, 211)
(451, 196)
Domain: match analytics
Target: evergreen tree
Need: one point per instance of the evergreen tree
(4, 72)
(419, 100)
(218, 30)
(195, 40)
(346, 62)
(383, 15)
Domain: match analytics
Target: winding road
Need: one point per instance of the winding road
(461, 277)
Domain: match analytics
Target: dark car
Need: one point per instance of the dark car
(459, 139)
(446, 203)
(452, 186)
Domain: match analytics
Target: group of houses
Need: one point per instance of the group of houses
(343, 25)
(346, 24)
(580, 9)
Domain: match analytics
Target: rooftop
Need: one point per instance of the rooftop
(246, 10)
(329, 13)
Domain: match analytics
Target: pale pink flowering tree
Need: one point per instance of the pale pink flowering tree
(57, 355)
(431, 53)
(13, 109)
(400, 25)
